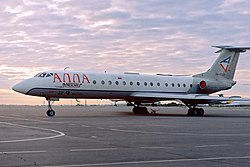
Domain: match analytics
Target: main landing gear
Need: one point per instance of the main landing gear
(50, 111)
(140, 110)
(195, 111)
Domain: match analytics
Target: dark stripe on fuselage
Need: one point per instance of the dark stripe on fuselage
(93, 93)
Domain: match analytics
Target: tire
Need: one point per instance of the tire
(140, 111)
(196, 112)
(201, 112)
(191, 112)
(51, 113)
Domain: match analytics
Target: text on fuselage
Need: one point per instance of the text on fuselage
(71, 78)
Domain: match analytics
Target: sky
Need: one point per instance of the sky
(146, 36)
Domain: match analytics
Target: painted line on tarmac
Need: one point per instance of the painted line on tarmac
(211, 134)
(25, 119)
(157, 147)
(22, 152)
(154, 161)
(59, 134)
(134, 131)
(215, 145)
(93, 149)
(183, 134)
(86, 126)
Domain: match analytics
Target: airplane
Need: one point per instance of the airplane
(135, 88)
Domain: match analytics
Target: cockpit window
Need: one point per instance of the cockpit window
(49, 75)
(44, 74)
(37, 75)
(41, 74)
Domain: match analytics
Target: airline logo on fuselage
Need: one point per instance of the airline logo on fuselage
(74, 80)
(225, 63)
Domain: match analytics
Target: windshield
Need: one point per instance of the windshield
(49, 75)
(41, 74)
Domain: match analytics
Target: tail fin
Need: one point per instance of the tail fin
(225, 65)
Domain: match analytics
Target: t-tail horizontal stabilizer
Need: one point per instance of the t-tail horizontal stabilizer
(233, 48)
(221, 74)
(225, 65)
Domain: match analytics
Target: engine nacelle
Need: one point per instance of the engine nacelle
(202, 85)
(211, 86)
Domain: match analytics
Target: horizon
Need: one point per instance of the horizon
(116, 36)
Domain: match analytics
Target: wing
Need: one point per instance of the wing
(186, 98)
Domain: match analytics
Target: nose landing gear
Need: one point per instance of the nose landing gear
(51, 112)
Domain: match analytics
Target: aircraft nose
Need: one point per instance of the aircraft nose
(20, 88)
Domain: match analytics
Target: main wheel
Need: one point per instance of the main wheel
(200, 111)
(190, 112)
(51, 113)
(140, 110)
(195, 112)
(136, 110)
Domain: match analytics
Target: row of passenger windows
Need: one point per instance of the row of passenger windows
(145, 83)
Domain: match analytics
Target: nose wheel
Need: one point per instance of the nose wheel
(51, 113)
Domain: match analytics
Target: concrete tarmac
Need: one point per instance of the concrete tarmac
(113, 136)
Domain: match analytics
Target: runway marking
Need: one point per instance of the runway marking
(184, 134)
(25, 119)
(157, 147)
(15, 115)
(60, 134)
(22, 152)
(93, 149)
(134, 131)
(154, 161)
(85, 126)
(100, 128)
(218, 145)
(156, 125)
(211, 134)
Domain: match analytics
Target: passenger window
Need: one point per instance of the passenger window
(191, 85)
(138, 83)
(172, 84)
(110, 82)
(116, 82)
(166, 84)
(158, 84)
(178, 85)
(131, 83)
(124, 83)
(184, 85)
(151, 84)
(145, 83)
(103, 82)
(94, 82)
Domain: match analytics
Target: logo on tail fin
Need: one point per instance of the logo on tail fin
(225, 63)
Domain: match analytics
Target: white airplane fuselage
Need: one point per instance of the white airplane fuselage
(70, 84)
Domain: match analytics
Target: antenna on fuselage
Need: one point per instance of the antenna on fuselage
(65, 68)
